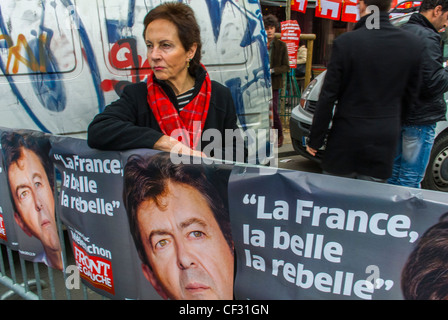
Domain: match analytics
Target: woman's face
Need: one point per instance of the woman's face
(166, 54)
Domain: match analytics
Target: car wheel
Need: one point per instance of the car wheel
(436, 177)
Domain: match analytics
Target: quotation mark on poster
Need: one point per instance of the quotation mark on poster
(380, 282)
(116, 204)
(250, 199)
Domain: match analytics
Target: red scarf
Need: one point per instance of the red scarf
(188, 123)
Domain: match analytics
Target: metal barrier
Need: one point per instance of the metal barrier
(25, 280)
(289, 97)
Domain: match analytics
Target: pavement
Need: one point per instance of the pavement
(286, 150)
(289, 159)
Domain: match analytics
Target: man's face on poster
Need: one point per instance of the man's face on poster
(33, 198)
(187, 251)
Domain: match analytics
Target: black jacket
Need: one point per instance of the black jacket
(129, 123)
(371, 75)
(430, 106)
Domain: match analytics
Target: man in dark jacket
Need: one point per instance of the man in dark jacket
(371, 71)
(278, 56)
(418, 132)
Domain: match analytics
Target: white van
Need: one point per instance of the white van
(436, 177)
(63, 61)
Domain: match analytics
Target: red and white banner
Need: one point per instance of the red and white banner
(291, 36)
(350, 11)
(345, 10)
(299, 5)
(329, 9)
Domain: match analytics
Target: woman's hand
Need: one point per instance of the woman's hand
(166, 143)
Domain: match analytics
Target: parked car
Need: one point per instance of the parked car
(436, 177)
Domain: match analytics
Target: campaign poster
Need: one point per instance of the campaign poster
(27, 203)
(179, 220)
(311, 236)
(7, 225)
(143, 226)
(290, 34)
(90, 206)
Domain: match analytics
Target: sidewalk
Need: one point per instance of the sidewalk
(286, 149)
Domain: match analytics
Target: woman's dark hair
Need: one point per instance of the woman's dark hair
(182, 16)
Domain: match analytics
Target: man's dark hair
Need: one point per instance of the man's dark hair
(425, 275)
(431, 4)
(147, 177)
(270, 21)
(14, 142)
(182, 16)
(383, 5)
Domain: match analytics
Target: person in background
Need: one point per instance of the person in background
(418, 130)
(279, 61)
(301, 61)
(178, 103)
(365, 65)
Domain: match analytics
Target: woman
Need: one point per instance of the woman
(178, 102)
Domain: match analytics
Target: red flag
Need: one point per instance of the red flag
(299, 5)
(350, 11)
(330, 9)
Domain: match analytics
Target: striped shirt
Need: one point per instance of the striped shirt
(184, 98)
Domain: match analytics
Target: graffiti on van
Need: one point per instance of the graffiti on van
(63, 61)
(123, 55)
